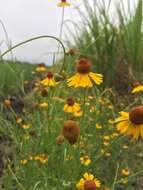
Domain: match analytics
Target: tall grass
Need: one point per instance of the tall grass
(110, 44)
(12, 76)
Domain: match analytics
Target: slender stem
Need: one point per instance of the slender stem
(36, 38)
(62, 23)
(6, 36)
(131, 176)
(116, 175)
(61, 28)
(16, 179)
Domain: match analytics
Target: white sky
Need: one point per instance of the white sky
(28, 18)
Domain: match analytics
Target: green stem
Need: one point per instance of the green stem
(62, 23)
(116, 175)
(16, 179)
(61, 29)
(36, 38)
(131, 176)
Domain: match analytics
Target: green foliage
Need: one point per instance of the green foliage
(107, 43)
(12, 76)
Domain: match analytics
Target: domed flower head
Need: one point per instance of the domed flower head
(63, 3)
(49, 80)
(137, 87)
(41, 68)
(131, 123)
(88, 182)
(71, 131)
(84, 77)
(71, 106)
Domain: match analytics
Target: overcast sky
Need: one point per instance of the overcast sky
(28, 18)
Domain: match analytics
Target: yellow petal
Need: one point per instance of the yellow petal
(138, 89)
(97, 78)
(141, 131)
(123, 126)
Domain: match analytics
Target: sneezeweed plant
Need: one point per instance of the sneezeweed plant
(71, 106)
(84, 77)
(131, 123)
(63, 3)
(85, 160)
(137, 87)
(71, 131)
(56, 139)
(88, 182)
(125, 171)
(41, 68)
(49, 80)
(43, 105)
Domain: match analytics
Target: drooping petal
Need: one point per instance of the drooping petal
(97, 78)
(138, 89)
(122, 126)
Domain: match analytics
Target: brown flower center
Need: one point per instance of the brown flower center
(136, 115)
(89, 185)
(70, 101)
(136, 84)
(63, 1)
(49, 75)
(71, 131)
(71, 52)
(41, 65)
(44, 92)
(83, 66)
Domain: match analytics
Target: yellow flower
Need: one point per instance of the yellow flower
(101, 101)
(7, 103)
(71, 106)
(41, 68)
(42, 158)
(85, 160)
(137, 87)
(125, 171)
(98, 126)
(23, 162)
(49, 80)
(63, 3)
(102, 151)
(43, 105)
(78, 113)
(90, 97)
(131, 123)
(110, 106)
(124, 181)
(84, 78)
(108, 154)
(125, 146)
(88, 182)
(31, 157)
(106, 140)
(26, 126)
(18, 120)
(114, 135)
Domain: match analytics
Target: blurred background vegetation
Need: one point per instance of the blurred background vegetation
(114, 48)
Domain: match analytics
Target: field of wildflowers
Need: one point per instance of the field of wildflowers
(68, 126)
